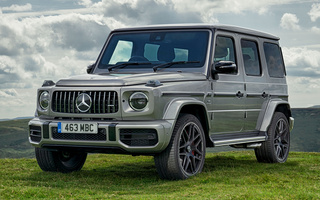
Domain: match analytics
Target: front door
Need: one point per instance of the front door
(227, 111)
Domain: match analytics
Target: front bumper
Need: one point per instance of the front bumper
(291, 123)
(133, 137)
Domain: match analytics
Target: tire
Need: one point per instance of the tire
(276, 148)
(185, 154)
(60, 161)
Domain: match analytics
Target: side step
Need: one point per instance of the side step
(247, 146)
(238, 140)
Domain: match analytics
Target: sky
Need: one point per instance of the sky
(53, 39)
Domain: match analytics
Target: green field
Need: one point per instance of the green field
(226, 175)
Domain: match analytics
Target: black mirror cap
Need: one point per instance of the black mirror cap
(90, 68)
(225, 67)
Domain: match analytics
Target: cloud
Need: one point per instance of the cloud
(302, 62)
(17, 103)
(54, 44)
(303, 69)
(8, 93)
(68, 31)
(17, 8)
(314, 12)
(12, 74)
(86, 3)
(10, 97)
(140, 12)
(315, 29)
(227, 6)
(290, 22)
(48, 47)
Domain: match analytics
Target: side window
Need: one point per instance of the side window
(274, 60)
(122, 52)
(224, 49)
(251, 58)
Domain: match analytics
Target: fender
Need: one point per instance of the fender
(269, 108)
(174, 107)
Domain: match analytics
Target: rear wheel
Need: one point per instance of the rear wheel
(61, 161)
(276, 148)
(185, 154)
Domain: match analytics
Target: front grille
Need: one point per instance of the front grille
(35, 133)
(139, 137)
(102, 102)
(100, 136)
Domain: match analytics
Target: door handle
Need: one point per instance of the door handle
(239, 94)
(264, 95)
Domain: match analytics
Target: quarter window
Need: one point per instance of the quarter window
(274, 60)
(251, 57)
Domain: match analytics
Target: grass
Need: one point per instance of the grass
(226, 175)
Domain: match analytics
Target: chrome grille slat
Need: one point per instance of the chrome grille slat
(69, 102)
(99, 100)
(109, 102)
(60, 102)
(56, 100)
(103, 102)
(64, 101)
(91, 98)
(73, 103)
(94, 102)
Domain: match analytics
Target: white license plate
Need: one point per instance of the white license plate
(91, 128)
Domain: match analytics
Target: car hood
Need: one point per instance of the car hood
(113, 80)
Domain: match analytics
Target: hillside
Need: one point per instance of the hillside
(306, 132)
(304, 137)
(14, 139)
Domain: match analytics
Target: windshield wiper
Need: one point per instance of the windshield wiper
(122, 65)
(169, 64)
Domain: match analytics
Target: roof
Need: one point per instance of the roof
(228, 28)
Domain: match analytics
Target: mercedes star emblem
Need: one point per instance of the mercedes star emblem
(83, 102)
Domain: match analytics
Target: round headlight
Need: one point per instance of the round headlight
(138, 101)
(44, 100)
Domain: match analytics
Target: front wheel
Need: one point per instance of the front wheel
(60, 161)
(185, 154)
(276, 148)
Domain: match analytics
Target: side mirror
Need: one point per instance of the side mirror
(225, 67)
(90, 68)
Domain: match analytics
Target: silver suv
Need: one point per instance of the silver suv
(169, 92)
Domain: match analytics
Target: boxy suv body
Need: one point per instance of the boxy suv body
(170, 92)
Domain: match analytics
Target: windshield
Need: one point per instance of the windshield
(148, 50)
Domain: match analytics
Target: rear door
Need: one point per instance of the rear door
(256, 86)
